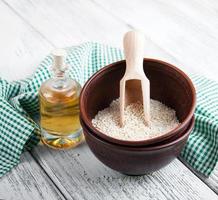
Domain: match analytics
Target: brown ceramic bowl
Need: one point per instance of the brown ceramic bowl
(136, 160)
(168, 84)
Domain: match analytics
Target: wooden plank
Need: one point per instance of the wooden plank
(101, 26)
(81, 175)
(73, 36)
(211, 181)
(68, 23)
(189, 39)
(28, 181)
(183, 35)
(21, 49)
(169, 30)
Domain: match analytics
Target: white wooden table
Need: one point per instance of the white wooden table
(184, 33)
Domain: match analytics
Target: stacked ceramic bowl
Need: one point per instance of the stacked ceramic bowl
(168, 85)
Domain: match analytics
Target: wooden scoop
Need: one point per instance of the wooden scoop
(134, 86)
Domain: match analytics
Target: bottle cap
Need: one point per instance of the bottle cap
(59, 56)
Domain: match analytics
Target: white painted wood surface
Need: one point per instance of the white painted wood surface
(183, 33)
(28, 181)
(185, 29)
(22, 47)
(82, 176)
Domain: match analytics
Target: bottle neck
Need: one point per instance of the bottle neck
(59, 74)
(60, 79)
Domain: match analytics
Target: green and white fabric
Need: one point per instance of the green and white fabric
(19, 105)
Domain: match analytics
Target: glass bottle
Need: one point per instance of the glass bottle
(59, 107)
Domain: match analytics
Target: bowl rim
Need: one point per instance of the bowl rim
(140, 142)
(146, 148)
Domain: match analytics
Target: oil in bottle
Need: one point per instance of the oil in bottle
(59, 107)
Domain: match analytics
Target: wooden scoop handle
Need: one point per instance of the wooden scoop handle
(133, 43)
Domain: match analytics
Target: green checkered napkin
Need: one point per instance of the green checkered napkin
(19, 104)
